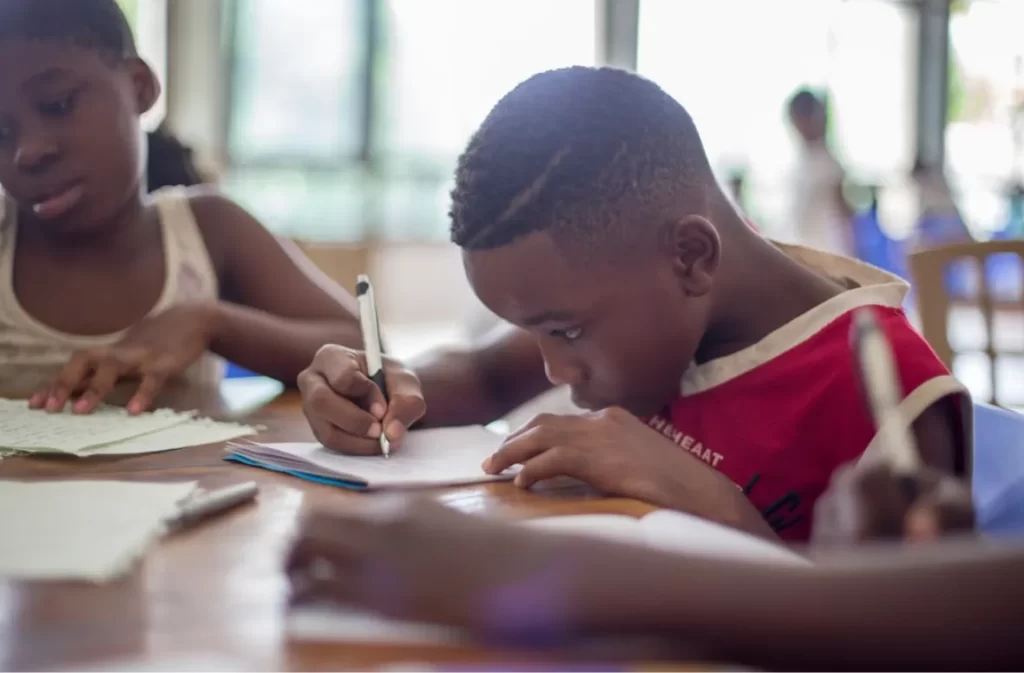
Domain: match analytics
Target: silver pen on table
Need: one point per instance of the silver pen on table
(370, 326)
(881, 383)
(207, 504)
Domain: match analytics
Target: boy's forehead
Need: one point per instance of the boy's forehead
(532, 277)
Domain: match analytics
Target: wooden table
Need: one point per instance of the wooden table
(219, 588)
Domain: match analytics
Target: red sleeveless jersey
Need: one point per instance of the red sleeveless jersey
(779, 417)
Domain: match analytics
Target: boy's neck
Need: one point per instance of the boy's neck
(118, 238)
(767, 291)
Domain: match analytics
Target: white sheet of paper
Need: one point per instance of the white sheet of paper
(193, 432)
(24, 429)
(86, 530)
(617, 527)
(175, 663)
(672, 531)
(327, 623)
(437, 457)
(679, 532)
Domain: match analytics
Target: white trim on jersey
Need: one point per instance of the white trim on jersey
(877, 288)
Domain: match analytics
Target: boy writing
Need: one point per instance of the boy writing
(97, 282)
(717, 364)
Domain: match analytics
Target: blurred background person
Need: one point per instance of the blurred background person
(820, 213)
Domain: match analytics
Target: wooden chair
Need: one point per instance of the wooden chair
(932, 272)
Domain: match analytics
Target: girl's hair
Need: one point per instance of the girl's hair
(170, 162)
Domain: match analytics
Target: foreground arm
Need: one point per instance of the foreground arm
(953, 605)
(949, 607)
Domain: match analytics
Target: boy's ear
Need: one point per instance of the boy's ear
(695, 250)
(146, 85)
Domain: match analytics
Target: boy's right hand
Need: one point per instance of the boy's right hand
(346, 410)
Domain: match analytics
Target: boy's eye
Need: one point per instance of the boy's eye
(571, 334)
(59, 107)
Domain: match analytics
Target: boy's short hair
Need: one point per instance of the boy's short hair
(591, 155)
(92, 24)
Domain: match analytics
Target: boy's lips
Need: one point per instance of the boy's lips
(59, 203)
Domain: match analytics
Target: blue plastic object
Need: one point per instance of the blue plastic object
(998, 481)
(233, 371)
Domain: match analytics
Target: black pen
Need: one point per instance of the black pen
(370, 326)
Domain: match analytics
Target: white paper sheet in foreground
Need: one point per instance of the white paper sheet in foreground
(85, 530)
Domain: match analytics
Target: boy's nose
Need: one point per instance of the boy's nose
(561, 371)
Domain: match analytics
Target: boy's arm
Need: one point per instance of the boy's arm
(276, 308)
(483, 382)
(942, 608)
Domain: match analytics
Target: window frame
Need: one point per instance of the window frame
(362, 158)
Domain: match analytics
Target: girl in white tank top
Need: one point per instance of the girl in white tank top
(82, 249)
(32, 353)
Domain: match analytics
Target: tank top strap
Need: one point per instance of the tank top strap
(190, 271)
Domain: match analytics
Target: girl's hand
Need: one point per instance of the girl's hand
(153, 351)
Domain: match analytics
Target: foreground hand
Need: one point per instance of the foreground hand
(415, 559)
(154, 350)
(866, 503)
(616, 452)
(347, 411)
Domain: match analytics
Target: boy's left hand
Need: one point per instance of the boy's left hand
(154, 350)
(616, 452)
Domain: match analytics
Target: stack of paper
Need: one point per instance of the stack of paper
(106, 431)
(440, 457)
(88, 530)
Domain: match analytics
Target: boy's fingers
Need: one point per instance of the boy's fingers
(323, 404)
(336, 439)
(547, 465)
(403, 411)
(345, 372)
(517, 451)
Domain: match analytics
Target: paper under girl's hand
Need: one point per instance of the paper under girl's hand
(153, 351)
